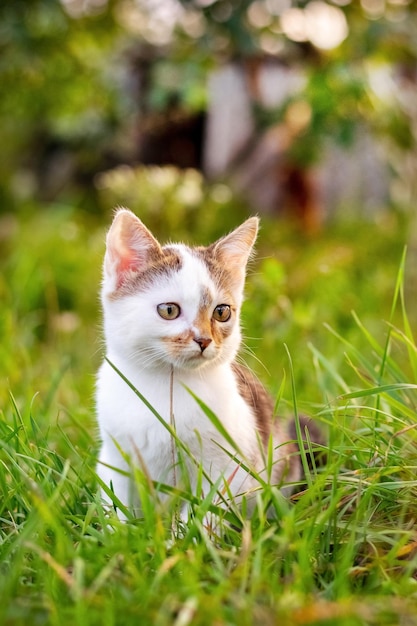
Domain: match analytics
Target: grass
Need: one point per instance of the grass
(341, 552)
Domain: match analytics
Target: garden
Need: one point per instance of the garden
(329, 324)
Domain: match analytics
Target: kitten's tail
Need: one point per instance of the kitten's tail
(312, 439)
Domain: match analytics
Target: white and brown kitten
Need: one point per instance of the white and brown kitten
(175, 309)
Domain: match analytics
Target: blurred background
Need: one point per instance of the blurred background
(196, 113)
(303, 108)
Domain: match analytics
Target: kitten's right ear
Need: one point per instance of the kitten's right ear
(129, 246)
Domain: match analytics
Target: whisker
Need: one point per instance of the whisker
(145, 356)
(247, 350)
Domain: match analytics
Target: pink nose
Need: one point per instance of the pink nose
(203, 342)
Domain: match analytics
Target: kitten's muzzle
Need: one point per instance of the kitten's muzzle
(203, 342)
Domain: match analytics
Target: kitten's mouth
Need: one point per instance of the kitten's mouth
(194, 360)
(199, 358)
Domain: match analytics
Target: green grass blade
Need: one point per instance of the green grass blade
(300, 437)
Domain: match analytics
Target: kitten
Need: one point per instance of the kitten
(175, 309)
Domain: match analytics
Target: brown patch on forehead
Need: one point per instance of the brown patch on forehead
(222, 275)
(218, 272)
(206, 299)
(160, 263)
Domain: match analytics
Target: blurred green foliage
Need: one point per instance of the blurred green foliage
(58, 90)
(171, 201)
(72, 97)
(49, 316)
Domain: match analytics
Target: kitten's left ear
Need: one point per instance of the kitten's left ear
(235, 249)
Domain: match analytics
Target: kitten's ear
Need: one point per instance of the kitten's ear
(129, 246)
(235, 249)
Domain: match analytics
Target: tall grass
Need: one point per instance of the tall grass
(341, 551)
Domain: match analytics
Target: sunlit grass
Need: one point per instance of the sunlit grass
(341, 551)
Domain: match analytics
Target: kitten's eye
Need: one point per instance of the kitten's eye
(168, 310)
(222, 312)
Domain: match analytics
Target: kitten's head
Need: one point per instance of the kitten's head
(173, 305)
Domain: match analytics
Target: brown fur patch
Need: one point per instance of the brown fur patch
(203, 320)
(317, 456)
(159, 263)
(206, 299)
(257, 398)
(206, 325)
(287, 464)
(289, 467)
(223, 278)
(221, 275)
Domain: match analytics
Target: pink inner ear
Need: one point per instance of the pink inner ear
(129, 246)
(127, 263)
(129, 260)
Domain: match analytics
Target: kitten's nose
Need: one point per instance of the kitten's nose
(203, 342)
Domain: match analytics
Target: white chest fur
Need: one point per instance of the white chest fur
(126, 422)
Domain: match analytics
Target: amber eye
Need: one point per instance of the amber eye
(222, 312)
(168, 310)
